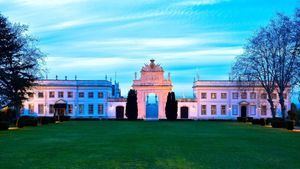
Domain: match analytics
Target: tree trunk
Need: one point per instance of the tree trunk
(282, 105)
(272, 105)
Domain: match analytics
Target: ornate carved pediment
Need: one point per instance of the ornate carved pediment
(152, 67)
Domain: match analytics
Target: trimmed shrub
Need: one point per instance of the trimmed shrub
(256, 121)
(27, 121)
(45, 120)
(65, 118)
(268, 121)
(8, 114)
(262, 122)
(62, 118)
(249, 119)
(277, 123)
(242, 119)
(4, 125)
(289, 124)
(89, 119)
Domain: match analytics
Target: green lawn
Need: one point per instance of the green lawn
(122, 144)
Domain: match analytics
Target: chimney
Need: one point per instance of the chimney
(66, 78)
(56, 77)
(75, 77)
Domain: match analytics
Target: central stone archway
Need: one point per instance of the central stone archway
(151, 106)
(152, 81)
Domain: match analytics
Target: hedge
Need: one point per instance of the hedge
(277, 123)
(62, 118)
(289, 124)
(4, 125)
(244, 119)
(27, 121)
(46, 120)
(261, 121)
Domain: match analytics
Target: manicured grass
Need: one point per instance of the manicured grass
(123, 144)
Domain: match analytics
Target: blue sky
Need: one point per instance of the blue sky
(91, 38)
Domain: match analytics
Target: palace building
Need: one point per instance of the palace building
(213, 99)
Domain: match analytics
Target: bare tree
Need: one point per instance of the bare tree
(272, 58)
(284, 37)
(254, 66)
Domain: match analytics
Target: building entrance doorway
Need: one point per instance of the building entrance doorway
(243, 111)
(184, 112)
(120, 112)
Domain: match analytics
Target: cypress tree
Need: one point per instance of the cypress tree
(131, 105)
(171, 106)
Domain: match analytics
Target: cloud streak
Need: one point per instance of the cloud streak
(199, 2)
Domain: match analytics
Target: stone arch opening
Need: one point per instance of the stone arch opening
(152, 104)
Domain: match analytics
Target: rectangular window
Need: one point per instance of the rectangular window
(100, 109)
(274, 96)
(70, 108)
(100, 95)
(70, 94)
(235, 95)
(40, 109)
(244, 95)
(203, 95)
(235, 109)
(252, 95)
(213, 109)
(31, 108)
(30, 95)
(81, 108)
(60, 94)
(253, 110)
(81, 94)
(40, 95)
(91, 109)
(203, 109)
(223, 95)
(51, 94)
(263, 110)
(263, 96)
(213, 95)
(51, 109)
(223, 110)
(91, 94)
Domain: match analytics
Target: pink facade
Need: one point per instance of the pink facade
(152, 81)
(213, 99)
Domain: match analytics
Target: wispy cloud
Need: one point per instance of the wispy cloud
(199, 2)
(98, 20)
(39, 3)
